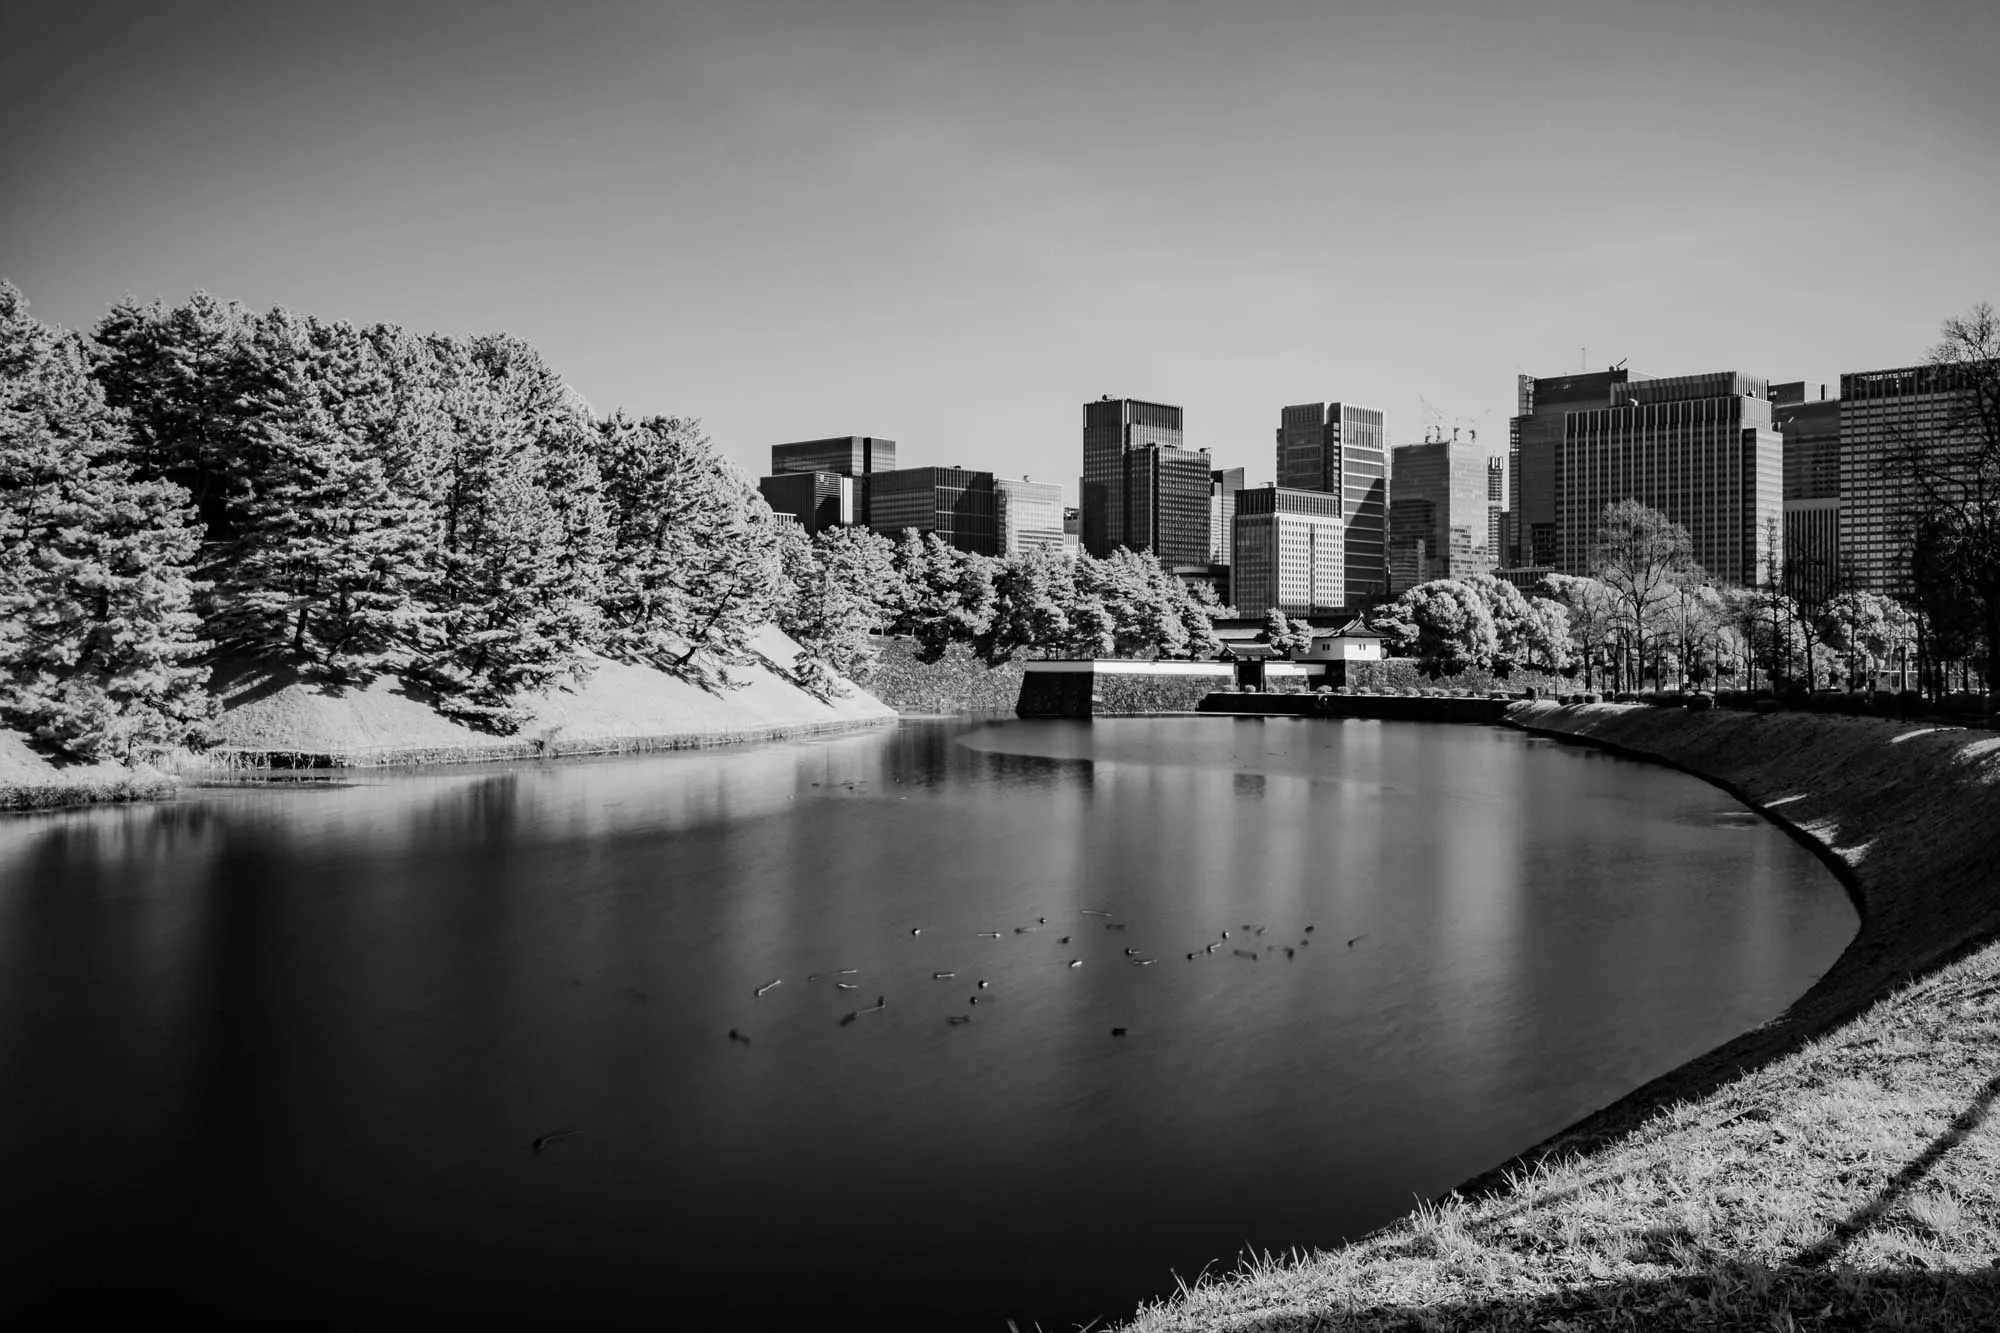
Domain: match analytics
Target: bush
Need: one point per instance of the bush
(1765, 704)
(1699, 703)
(1589, 697)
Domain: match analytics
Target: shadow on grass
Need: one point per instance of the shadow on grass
(1900, 1184)
(1718, 1296)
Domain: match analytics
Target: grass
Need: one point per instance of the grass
(19, 796)
(1854, 1184)
(1838, 1169)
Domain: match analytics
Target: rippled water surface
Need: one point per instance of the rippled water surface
(288, 1050)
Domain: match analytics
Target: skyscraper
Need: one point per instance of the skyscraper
(1338, 448)
(1287, 552)
(1889, 419)
(1029, 515)
(954, 502)
(1141, 488)
(1698, 448)
(1440, 521)
(1534, 454)
(1810, 431)
(856, 456)
(1223, 483)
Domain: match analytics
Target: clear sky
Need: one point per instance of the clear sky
(951, 224)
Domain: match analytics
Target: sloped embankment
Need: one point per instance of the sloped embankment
(275, 719)
(1836, 1168)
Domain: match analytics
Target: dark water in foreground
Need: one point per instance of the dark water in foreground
(287, 1050)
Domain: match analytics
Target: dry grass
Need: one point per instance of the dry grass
(1839, 1169)
(18, 796)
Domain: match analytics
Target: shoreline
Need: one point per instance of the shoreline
(1806, 1165)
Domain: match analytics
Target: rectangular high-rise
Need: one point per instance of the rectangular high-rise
(1338, 448)
(1288, 552)
(956, 503)
(1223, 483)
(1894, 425)
(818, 500)
(1810, 430)
(1440, 521)
(1699, 448)
(1028, 514)
(1534, 455)
(857, 456)
(1141, 488)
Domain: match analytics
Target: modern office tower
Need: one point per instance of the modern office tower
(1166, 503)
(1072, 533)
(1440, 522)
(1289, 552)
(1028, 515)
(954, 502)
(856, 456)
(1888, 420)
(1496, 507)
(818, 500)
(1698, 448)
(1534, 451)
(1810, 431)
(1113, 428)
(1338, 448)
(1223, 483)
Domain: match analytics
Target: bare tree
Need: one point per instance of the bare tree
(1953, 478)
(1643, 557)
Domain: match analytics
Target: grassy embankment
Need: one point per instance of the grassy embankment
(272, 719)
(32, 780)
(1833, 1169)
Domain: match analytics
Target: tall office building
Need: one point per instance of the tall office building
(1141, 488)
(1888, 419)
(1440, 519)
(1698, 448)
(1028, 515)
(954, 502)
(1288, 552)
(1810, 431)
(818, 500)
(1338, 448)
(1223, 483)
(1534, 453)
(857, 456)
(1496, 507)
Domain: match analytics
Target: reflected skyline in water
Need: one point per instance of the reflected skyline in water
(288, 1047)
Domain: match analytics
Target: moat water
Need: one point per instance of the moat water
(487, 1043)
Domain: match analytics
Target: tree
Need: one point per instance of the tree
(1445, 624)
(1591, 608)
(1868, 629)
(1952, 481)
(98, 640)
(842, 583)
(1286, 636)
(326, 556)
(1032, 594)
(945, 596)
(1642, 557)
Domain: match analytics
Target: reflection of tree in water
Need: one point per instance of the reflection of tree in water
(1249, 784)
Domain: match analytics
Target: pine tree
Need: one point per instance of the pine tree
(97, 639)
(501, 623)
(327, 554)
(840, 586)
(695, 565)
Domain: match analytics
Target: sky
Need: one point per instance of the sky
(953, 224)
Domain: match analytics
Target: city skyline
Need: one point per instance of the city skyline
(786, 220)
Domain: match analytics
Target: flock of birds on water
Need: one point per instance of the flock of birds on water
(1250, 932)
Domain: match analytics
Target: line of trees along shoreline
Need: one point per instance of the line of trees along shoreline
(197, 483)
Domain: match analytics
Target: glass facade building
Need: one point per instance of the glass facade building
(956, 503)
(1701, 449)
(1894, 423)
(858, 456)
(1120, 504)
(1811, 434)
(818, 500)
(1534, 455)
(1339, 449)
(1029, 515)
(1441, 524)
(1288, 552)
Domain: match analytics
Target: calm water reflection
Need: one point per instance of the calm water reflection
(287, 1049)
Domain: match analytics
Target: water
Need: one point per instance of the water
(286, 1050)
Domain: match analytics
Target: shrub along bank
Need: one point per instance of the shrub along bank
(1833, 1169)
